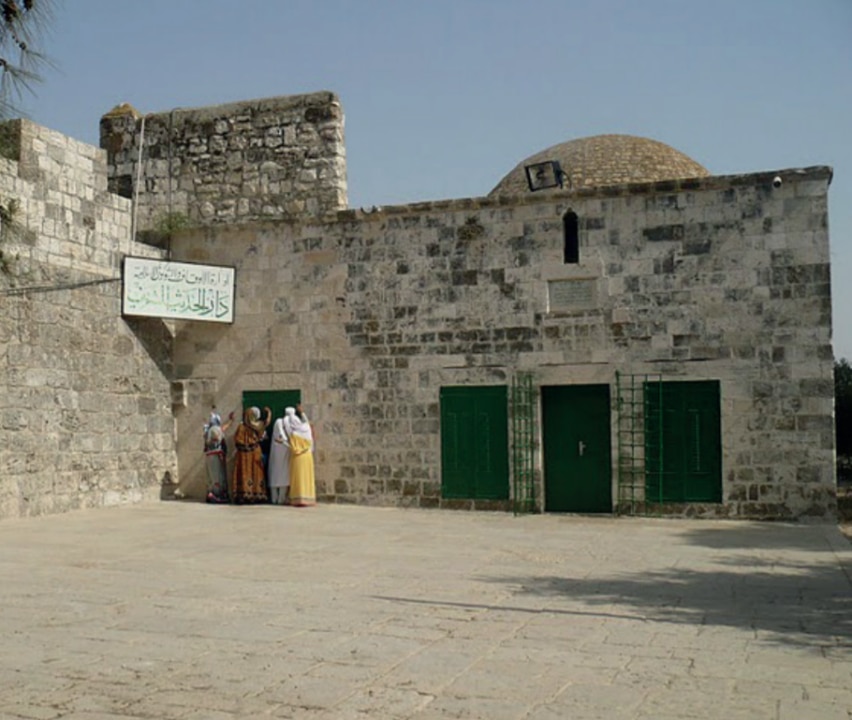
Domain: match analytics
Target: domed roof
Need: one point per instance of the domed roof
(603, 160)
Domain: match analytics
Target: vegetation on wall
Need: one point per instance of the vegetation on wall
(10, 140)
(7, 230)
(171, 222)
(12, 231)
(163, 228)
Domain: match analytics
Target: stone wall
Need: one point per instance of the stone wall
(723, 278)
(274, 158)
(85, 401)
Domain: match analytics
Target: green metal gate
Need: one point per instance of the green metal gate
(669, 442)
(523, 444)
(637, 411)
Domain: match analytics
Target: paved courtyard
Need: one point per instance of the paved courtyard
(181, 610)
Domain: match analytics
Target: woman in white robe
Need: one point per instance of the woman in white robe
(279, 458)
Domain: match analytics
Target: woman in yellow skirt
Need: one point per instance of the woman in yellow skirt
(303, 490)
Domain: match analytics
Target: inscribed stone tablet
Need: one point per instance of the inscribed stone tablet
(570, 294)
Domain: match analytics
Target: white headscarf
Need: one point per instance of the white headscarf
(289, 414)
(301, 428)
(214, 437)
(215, 420)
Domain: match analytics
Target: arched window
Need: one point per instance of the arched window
(571, 231)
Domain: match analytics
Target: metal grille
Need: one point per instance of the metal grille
(635, 444)
(523, 444)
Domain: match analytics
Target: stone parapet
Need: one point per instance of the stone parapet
(809, 180)
(235, 163)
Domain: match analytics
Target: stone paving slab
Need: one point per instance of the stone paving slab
(191, 612)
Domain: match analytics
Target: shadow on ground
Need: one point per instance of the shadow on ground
(762, 536)
(782, 582)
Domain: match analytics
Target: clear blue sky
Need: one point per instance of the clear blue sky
(442, 98)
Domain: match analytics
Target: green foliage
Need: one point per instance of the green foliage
(163, 228)
(12, 230)
(843, 406)
(170, 223)
(8, 228)
(22, 23)
(471, 229)
(10, 140)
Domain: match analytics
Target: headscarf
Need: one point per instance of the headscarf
(289, 414)
(215, 420)
(301, 436)
(252, 418)
(301, 428)
(214, 437)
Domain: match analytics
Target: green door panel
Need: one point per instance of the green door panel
(474, 442)
(576, 427)
(275, 400)
(683, 442)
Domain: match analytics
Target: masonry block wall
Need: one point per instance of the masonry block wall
(85, 399)
(722, 278)
(263, 159)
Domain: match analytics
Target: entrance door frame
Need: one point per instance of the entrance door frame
(577, 443)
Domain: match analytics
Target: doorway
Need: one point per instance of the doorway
(474, 442)
(577, 450)
(275, 400)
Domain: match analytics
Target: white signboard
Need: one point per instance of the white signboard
(184, 291)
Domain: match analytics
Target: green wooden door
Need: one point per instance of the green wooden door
(275, 400)
(474, 443)
(577, 458)
(683, 432)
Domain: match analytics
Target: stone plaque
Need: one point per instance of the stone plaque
(570, 294)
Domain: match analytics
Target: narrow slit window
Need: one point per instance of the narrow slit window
(571, 227)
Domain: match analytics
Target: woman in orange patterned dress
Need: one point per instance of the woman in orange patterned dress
(249, 484)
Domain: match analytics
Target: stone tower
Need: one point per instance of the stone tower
(265, 159)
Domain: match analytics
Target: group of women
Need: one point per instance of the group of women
(284, 477)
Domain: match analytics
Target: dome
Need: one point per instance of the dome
(603, 160)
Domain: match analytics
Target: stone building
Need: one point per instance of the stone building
(649, 338)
